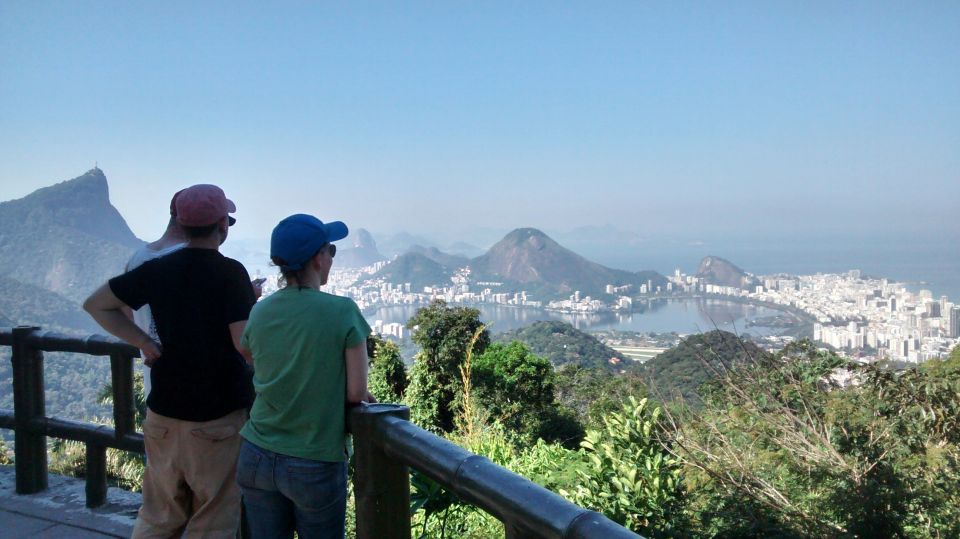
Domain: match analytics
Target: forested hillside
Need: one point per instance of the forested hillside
(563, 344)
(680, 371)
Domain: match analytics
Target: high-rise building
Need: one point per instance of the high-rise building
(955, 321)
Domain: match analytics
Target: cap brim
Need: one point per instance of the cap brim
(336, 230)
(231, 207)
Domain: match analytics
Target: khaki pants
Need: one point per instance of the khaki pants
(189, 487)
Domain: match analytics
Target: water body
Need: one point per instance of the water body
(682, 316)
(920, 262)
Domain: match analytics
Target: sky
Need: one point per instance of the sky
(680, 119)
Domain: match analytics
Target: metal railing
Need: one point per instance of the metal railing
(386, 444)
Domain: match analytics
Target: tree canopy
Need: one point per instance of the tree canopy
(443, 334)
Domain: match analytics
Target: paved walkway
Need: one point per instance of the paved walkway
(60, 511)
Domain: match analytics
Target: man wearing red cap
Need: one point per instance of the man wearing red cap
(201, 387)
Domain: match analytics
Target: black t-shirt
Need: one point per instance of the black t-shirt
(194, 294)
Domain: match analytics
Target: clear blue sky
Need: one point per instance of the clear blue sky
(676, 118)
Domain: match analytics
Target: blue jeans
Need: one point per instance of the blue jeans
(282, 494)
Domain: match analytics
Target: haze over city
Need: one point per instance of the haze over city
(690, 122)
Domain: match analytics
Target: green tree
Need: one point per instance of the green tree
(591, 394)
(443, 334)
(781, 448)
(627, 475)
(516, 388)
(388, 376)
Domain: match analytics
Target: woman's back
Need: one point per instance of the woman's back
(297, 337)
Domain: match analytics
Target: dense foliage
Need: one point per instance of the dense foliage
(783, 447)
(627, 474)
(387, 378)
(802, 443)
(680, 371)
(516, 388)
(592, 394)
(444, 334)
(564, 344)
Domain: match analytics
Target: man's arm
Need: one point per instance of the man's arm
(356, 358)
(107, 309)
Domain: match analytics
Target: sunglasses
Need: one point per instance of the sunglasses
(231, 221)
(332, 249)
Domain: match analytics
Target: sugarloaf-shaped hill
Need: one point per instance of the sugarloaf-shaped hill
(363, 253)
(66, 239)
(529, 259)
(722, 272)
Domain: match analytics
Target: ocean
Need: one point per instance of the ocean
(923, 263)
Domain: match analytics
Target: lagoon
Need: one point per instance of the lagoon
(680, 315)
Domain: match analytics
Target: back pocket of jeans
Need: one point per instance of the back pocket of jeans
(315, 485)
(247, 464)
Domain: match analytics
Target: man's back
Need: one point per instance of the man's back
(143, 317)
(194, 295)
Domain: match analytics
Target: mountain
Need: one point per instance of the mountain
(564, 344)
(680, 371)
(527, 258)
(416, 269)
(718, 271)
(438, 256)
(66, 239)
(25, 304)
(363, 253)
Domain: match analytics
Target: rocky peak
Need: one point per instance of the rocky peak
(362, 239)
(81, 204)
(722, 272)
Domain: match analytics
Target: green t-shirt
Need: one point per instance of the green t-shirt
(297, 337)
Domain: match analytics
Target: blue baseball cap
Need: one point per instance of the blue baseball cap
(298, 237)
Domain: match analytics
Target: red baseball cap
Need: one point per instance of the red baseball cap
(173, 203)
(202, 205)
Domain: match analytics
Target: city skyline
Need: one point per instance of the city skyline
(682, 121)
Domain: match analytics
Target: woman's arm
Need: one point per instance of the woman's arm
(356, 359)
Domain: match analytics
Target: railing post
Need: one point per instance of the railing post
(121, 377)
(381, 485)
(30, 448)
(96, 475)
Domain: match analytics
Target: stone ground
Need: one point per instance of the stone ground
(60, 511)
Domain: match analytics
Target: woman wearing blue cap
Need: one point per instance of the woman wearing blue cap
(308, 349)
